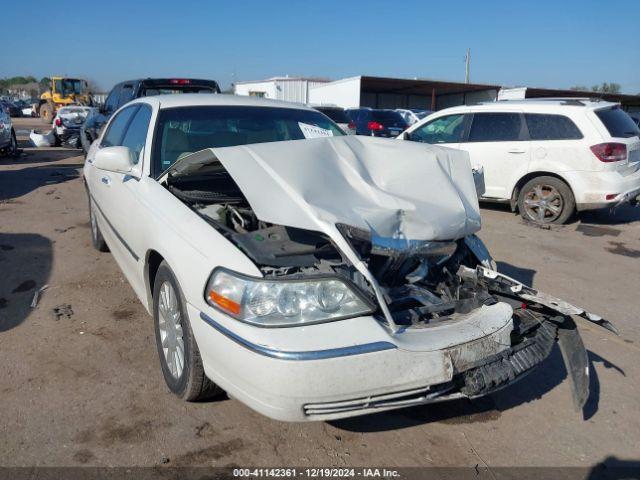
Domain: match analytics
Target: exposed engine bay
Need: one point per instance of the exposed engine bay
(419, 280)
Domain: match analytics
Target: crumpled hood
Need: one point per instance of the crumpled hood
(394, 189)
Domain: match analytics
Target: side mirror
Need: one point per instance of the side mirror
(114, 159)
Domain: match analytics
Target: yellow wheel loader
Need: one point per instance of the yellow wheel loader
(63, 91)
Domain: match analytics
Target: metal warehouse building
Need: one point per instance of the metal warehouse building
(382, 92)
(630, 103)
(288, 89)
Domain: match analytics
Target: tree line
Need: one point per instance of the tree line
(12, 82)
(605, 87)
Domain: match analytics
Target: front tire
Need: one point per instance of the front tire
(546, 200)
(177, 349)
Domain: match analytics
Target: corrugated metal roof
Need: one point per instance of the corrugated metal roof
(280, 79)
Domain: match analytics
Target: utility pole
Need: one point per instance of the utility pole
(467, 66)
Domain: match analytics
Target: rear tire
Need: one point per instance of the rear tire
(13, 146)
(177, 348)
(85, 142)
(97, 240)
(546, 200)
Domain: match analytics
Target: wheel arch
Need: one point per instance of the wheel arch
(152, 262)
(529, 176)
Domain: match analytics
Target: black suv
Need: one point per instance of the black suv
(377, 123)
(124, 92)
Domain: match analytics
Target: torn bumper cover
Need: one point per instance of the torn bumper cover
(511, 364)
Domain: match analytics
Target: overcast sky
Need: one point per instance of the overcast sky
(539, 43)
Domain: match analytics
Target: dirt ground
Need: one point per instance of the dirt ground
(84, 387)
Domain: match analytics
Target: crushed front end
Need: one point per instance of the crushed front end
(434, 321)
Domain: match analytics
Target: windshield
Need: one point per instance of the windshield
(68, 86)
(618, 122)
(185, 130)
(152, 91)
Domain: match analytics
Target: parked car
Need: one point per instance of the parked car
(377, 123)
(28, 108)
(8, 142)
(129, 90)
(546, 157)
(312, 275)
(10, 108)
(339, 116)
(413, 115)
(68, 122)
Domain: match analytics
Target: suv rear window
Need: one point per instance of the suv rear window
(171, 89)
(618, 122)
(336, 114)
(551, 127)
(386, 116)
(495, 127)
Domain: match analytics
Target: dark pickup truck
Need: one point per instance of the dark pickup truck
(129, 90)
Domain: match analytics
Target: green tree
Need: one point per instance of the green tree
(44, 83)
(606, 88)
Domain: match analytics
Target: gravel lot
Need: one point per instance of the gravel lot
(86, 388)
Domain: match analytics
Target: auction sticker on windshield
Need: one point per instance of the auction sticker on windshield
(311, 131)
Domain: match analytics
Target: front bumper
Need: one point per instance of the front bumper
(359, 379)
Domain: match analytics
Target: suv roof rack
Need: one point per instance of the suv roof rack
(579, 101)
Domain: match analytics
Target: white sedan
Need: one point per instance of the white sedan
(310, 274)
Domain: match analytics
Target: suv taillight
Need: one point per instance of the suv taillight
(374, 126)
(58, 122)
(352, 125)
(610, 152)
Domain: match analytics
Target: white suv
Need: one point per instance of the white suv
(547, 157)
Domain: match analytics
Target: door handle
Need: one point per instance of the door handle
(106, 180)
(516, 150)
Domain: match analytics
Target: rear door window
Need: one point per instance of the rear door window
(446, 129)
(118, 127)
(496, 127)
(618, 122)
(551, 127)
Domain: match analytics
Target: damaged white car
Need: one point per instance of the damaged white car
(310, 274)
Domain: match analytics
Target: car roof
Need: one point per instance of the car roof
(325, 107)
(533, 104)
(215, 99)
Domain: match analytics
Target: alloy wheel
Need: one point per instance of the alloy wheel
(543, 203)
(170, 327)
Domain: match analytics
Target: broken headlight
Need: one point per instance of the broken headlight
(279, 303)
